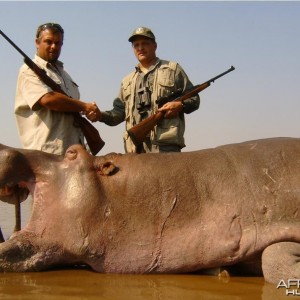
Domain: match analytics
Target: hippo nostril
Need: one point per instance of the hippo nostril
(71, 154)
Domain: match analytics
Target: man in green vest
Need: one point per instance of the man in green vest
(151, 79)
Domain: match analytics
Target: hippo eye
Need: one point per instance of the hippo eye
(71, 154)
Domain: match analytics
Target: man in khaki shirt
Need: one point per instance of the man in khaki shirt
(44, 118)
(152, 78)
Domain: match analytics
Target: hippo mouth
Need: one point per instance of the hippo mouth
(6, 191)
(14, 194)
(17, 178)
(11, 194)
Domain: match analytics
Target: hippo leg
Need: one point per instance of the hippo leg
(15, 255)
(24, 252)
(280, 261)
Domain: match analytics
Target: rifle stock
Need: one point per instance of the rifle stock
(90, 133)
(139, 132)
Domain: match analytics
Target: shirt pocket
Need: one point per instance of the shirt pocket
(54, 77)
(165, 81)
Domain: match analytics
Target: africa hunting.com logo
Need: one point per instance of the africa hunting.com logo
(292, 286)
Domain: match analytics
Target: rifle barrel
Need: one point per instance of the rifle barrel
(222, 74)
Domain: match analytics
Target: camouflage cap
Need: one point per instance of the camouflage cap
(142, 31)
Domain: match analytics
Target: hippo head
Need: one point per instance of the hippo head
(66, 206)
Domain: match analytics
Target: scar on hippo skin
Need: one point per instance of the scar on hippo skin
(107, 169)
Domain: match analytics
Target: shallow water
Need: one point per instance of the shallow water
(86, 284)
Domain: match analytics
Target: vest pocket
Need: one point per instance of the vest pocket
(167, 132)
(165, 81)
(126, 90)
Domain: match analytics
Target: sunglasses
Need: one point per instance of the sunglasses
(54, 26)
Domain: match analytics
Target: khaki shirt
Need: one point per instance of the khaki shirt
(40, 128)
(168, 77)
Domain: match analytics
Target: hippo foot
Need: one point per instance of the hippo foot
(280, 261)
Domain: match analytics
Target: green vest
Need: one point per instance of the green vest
(168, 131)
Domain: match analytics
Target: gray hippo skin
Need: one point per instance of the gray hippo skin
(234, 205)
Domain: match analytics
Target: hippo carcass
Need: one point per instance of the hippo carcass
(158, 213)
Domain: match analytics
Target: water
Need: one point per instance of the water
(86, 284)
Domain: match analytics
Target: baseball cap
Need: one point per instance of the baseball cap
(142, 31)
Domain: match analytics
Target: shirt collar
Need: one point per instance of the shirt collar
(156, 63)
(45, 64)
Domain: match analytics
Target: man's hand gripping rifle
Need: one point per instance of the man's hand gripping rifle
(139, 132)
(90, 133)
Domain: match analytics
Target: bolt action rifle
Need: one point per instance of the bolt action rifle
(91, 134)
(139, 132)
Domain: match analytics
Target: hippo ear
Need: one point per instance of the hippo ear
(107, 168)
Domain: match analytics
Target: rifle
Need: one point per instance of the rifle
(139, 132)
(90, 133)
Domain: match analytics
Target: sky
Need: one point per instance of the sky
(260, 99)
